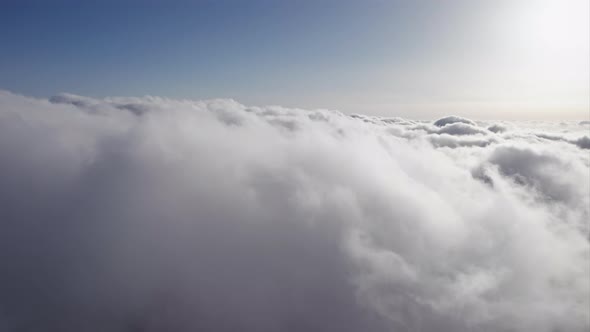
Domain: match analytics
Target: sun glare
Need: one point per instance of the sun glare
(555, 25)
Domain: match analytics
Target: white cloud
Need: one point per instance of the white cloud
(452, 119)
(152, 214)
(459, 128)
(497, 128)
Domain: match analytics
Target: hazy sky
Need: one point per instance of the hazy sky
(418, 59)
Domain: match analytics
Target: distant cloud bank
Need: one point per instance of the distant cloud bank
(151, 214)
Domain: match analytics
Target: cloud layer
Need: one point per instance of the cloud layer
(150, 214)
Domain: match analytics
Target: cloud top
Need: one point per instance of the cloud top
(153, 214)
(452, 119)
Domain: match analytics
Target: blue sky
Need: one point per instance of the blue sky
(484, 59)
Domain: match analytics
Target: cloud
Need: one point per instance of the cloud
(537, 168)
(451, 141)
(153, 214)
(582, 142)
(459, 128)
(453, 119)
(497, 128)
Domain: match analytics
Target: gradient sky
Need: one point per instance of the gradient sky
(486, 59)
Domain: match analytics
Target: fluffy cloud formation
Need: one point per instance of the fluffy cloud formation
(452, 120)
(150, 214)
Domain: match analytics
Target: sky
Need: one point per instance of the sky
(484, 59)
